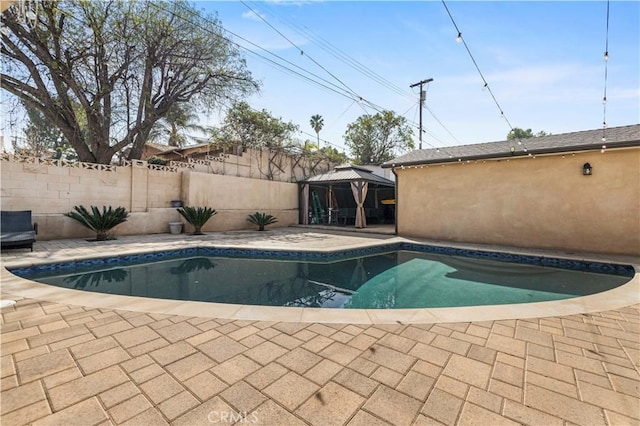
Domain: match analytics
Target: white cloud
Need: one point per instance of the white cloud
(252, 16)
(293, 2)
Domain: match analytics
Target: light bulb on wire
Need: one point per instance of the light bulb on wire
(485, 87)
(459, 38)
(606, 56)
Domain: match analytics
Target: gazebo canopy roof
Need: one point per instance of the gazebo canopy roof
(350, 173)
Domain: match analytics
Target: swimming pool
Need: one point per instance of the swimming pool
(403, 275)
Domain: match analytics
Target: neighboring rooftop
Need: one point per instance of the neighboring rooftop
(616, 137)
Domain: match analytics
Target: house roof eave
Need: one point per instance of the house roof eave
(519, 154)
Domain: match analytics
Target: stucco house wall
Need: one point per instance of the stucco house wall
(541, 201)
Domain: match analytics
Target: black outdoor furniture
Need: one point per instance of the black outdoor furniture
(16, 229)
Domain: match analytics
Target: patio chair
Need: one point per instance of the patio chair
(17, 230)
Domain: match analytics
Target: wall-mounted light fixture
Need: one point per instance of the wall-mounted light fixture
(587, 170)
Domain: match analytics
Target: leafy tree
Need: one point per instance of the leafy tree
(42, 138)
(378, 138)
(309, 146)
(179, 118)
(333, 155)
(256, 129)
(518, 133)
(126, 63)
(317, 122)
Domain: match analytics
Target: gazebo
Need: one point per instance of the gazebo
(340, 196)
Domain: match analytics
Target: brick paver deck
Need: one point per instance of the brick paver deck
(64, 364)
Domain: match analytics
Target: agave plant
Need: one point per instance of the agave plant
(197, 216)
(100, 222)
(261, 219)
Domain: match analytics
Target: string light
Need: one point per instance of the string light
(483, 161)
(604, 97)
(486, 87)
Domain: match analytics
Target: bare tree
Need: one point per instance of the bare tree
(126, 63)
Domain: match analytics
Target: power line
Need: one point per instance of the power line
(359, 98)
(347, 59)
(300, 50)
(343, 57)
(324, 84)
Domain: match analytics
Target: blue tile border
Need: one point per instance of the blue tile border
(577, 265)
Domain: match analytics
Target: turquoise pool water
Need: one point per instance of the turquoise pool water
(383, 280)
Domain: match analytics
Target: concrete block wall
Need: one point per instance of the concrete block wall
(49, 189)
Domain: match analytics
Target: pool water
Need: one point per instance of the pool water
(392, 279)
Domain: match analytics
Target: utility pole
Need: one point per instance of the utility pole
(421, 102)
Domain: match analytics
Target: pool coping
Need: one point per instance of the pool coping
(624, 295)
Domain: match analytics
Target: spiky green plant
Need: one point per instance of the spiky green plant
(261, 219)
(197, 216)
(99, 222)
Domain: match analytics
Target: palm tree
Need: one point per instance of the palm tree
(316, 123)
(179, 118)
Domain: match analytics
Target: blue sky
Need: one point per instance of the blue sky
(542, 60)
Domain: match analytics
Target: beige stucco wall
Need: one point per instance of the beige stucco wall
(234, 198)
(542, 202)
(49, 190)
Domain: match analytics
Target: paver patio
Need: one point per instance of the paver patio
(64, 364)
